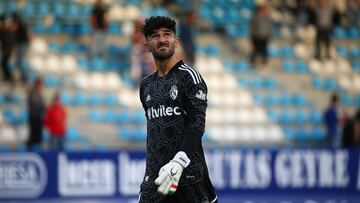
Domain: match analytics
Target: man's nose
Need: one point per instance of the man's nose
(161, 38)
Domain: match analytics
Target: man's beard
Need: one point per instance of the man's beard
(158, 55)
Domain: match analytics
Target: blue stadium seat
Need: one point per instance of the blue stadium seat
(299, 99)
(271, 100)
(273, 51)
(317, 83)
(315, 116)
(59, 8)
(241, 66)
(96, 116)
(259, 99)
(110, 99)
(288, 66)
(330, 84)
(22, 116)
(68, 47)
(287, 51)
(124, 116)
(139, 117)
(115, 29)
(73, 135)
(101, 148)
(95, 99)
(54, 47)
(347, 100)
(302, 67)
(269, 83)
(286, 117)
(341, 51)
(2, 99)
(4, 148)
(20, 148)
(80, 98)
(66, 98)
(97, 64)
(357, 100)
(51, 81)
(273, 115)
(124, 133)
(111, 116)
(339, 33)
(289, 133)
(318, 134)
(301, 134)
(285, 99)
(10, 116)
(353, 33)
(354, 52)
(301, 117)
(139, 134)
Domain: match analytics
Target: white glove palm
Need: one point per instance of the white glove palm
(169, 174)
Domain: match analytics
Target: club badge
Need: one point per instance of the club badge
(173, 92)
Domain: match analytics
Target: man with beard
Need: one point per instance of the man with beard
(174, 100)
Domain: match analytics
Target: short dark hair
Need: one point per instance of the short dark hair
(156, 22)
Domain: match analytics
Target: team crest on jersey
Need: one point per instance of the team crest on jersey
(173, 92)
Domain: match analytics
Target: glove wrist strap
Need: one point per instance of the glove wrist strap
(182, 159)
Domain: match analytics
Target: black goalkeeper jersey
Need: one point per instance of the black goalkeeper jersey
(175, 108)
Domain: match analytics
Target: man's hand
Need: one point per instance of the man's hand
(169, 174)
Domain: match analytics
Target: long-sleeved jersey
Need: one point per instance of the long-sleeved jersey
(175, 108)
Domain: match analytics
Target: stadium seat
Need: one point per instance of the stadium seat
(95, 99)
(80, 98)
(73, 135)
(110, 116)
(125, 134)
(96, 116)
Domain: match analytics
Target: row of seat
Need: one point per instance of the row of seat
(123, 116)
(282, 99)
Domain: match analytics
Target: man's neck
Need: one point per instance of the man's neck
(165, 66)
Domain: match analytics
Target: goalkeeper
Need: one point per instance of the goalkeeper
(174, 100)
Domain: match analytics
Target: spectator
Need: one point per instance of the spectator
(357, 128)
(22, 40)
(331, 121)
(324, 23)
(348, 136)
(55, 122)
(260, 29)
(6, 44)
(187, 36)
(36, 109)
(99, 24)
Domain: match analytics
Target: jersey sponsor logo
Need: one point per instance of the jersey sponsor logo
(162, 111)
(200, 95)
(148, 98)
(173, 92)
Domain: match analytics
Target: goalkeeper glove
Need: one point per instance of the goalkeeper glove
(169, 174)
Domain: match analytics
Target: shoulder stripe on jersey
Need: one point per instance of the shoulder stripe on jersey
(191, 73)
(192, 70)
(196, 72)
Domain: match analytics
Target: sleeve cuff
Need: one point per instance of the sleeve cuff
(182, 159)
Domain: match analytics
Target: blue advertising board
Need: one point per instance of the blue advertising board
(233, 172)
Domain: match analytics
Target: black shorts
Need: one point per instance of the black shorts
(201, 192)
